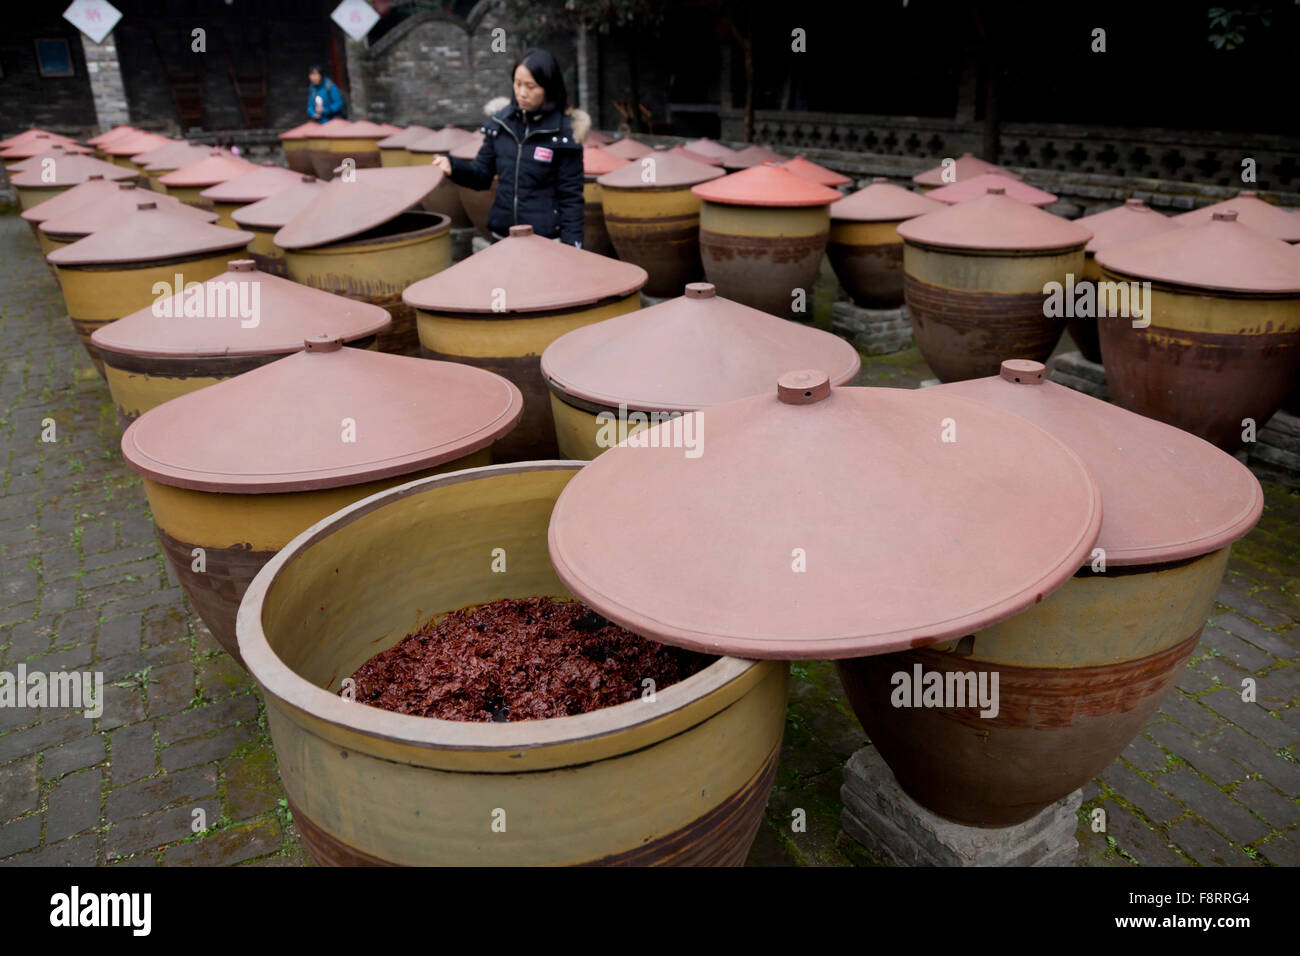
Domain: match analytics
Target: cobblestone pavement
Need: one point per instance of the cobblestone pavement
(182, 738)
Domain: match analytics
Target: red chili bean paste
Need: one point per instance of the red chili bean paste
(519, 660)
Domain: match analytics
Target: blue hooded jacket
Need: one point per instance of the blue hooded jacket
(332, 98)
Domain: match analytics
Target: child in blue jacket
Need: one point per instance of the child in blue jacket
(324, 98)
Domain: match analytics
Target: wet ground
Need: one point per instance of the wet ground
(1211, 781)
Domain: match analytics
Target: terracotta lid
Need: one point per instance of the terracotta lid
(116, 131)
(994, 221)
(216, 168)
(93, 188)
(133, 144)
(660, 169)
(882, 201)
(1251, 211)
(358, 129)
(172, 156)
(112, 136)
(150, 233)
(1168, 495)
(171, 144)
(345, 209)
(403, 414)
(628, 148)
(597, 162)
(766, 185)
(280, 316)
(301, 131)
(596, 138)
(439, 141)
(400, 139)
(1133, 220)
(979, 186)
(697, 157)
(469, 148)
(687, 353)
(274, 211)
(818, 174)
(709, 147)
(33, 133)
(71, 170)
(389, 129)
(754, 155)
(525, 273)
(255, 185)
(326, 130)
(41, 146)
(967, 166)
(113, 207)
(51, 151)
(817, 522)
(1221, 254)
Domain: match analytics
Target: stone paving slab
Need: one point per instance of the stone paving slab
(182, 738)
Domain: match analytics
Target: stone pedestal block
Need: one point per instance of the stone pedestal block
(874, 331)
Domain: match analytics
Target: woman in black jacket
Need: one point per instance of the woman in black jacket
(534, 148)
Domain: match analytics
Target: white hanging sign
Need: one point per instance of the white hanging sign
(94, 18)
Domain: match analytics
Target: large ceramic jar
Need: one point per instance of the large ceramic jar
(120, 149)
(294, 143)
(113, 272)
(363, 237)
(237, 321)
(1220, 347)
(653, 217)
(1131, 221)
(818, 174)
(628, 148)
(445, 199)
(338, 140)
(753, 155)
(477, 203)
(709, 147)
(1251, 211)
(253, 186)
(615, 378)
(681, 779)
(500, 308)
(36, 185)
(762, 235)
(1081, 672)
(976, 186)
(268, 216)
(596, 163)
(319, 430)
(108, 210)
(392, 149)
(864, 247)
(96, 186)
(162, 160)
(976, 280)
(189, 182)
(966, 166)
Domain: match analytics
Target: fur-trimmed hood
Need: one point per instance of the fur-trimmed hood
(580, 120)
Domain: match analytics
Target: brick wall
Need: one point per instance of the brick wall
(63, 104)
(106, 84)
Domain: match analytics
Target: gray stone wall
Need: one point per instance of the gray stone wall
(60, 103)
(106, 84)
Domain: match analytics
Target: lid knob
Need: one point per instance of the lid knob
(1135, 204)
(1023, 371)
(700, 290)
(146, 205)
(523, 230)
(241, 265)
(996, 190)
(323, 343)
(1247, 194)
(126, 185)
(1227, 215)
(95, 176)
(308, 178)
(803, 387)
(880, 179)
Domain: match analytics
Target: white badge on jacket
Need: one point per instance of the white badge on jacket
(542, 154)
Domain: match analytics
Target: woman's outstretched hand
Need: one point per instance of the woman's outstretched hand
(443, 163)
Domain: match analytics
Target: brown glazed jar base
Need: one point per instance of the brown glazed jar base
(1205, 383)
(1055, 730)
(533, 439)
(669, 255)
(215, 593)
(964, 335)
(762, 272)
(721, 837)
(871, 275)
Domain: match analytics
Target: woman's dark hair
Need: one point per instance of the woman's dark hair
(546, 71)
(315, 69)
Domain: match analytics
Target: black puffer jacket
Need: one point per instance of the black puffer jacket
(538, 162)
